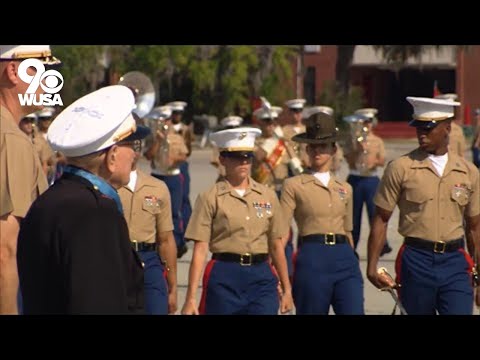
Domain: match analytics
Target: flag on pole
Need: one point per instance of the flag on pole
(436, 90)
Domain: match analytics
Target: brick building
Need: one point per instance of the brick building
(386, 89)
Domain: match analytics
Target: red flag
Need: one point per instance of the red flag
(436, 90)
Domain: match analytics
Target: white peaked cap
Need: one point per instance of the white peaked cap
(427, 109)
(295, 103)
(307, 112)
(177, 105)
(18, 52)
(231, 120)
(238, 139)
(368, 112)
(449, 96)
(94, 122)
(272, 113)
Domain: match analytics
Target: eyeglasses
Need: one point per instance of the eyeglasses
(136, 145)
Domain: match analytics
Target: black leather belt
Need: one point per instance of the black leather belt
(243, 259)
(328, 239)
(142, 246)
(435, 246)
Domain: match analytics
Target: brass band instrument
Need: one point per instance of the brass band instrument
(358, 141)
(143, 90)
(155, 120)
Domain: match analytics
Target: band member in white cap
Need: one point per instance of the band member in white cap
(326, 271)
(181, 128)
(296, 126)
(438, 195)
(241, 223)
(365, 154)
(229, 122)
(74, 251)
(166, 151)
(21, 175)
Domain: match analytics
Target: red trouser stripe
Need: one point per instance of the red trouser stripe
(206, 277)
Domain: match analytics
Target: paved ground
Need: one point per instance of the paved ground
(203, 176)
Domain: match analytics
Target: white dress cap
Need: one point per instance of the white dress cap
(368, 112)
(307, 112)
(295, 103)
(20, 52)
(46, 112)
(450, 96)
(238, 139)
(94, 122)
(177, 105)
(427, 109)
(231, 120)
(160, 113)
(272, 113)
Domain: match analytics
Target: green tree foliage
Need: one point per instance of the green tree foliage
(80, 69)
(213, 79)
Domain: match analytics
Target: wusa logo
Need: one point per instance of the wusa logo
(53, 84)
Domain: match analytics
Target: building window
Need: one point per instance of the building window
(312, 48)
(309, 85)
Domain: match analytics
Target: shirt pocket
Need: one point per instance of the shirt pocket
(152, 207)
(460, 195)
(417, 202)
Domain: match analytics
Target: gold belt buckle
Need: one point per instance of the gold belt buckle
(333, 241)
(442, 249)
(242, 261)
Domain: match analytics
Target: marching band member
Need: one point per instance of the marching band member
(166, 150)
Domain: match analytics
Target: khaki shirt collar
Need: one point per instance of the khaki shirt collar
(454, 163)
(142, 180)
(308, 177)
(224, 187)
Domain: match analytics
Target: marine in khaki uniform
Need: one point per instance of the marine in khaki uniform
(166, 150)
(326, 270)
(44, 120)
(229, 122)
(21, 175)
(365, 154)
(147, 210)
(338, 157)
(296, 126)
(241, 223)
(186, 131)
(438, 195)
(274, 160)
(457, 142)
(44, 151)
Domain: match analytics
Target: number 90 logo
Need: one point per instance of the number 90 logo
(51, 81)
